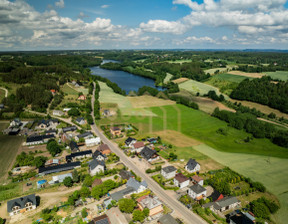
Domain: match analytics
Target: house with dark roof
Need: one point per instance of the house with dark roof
(22, 204)
(69, 129)
(181, 181)
(78, 156)
(85, 135)
(122, 193)
(137, 147)
(126, 175)
(197, 192)
(136, 185)
(99, 156)
(74, 147)
(149, 154)
(45, 124)
(104, 149)
(216, 196)
(103, 219)
(80, 120)
(192, 166)
(223, 204)
(241, 218)
(1, 106)
(167, 219)
(197, 180)
(38, 139)
(96, 166)
(51, 132)
(130, 141)
(168, 172)
(58, 168)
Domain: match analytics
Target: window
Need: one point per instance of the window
(15, 208)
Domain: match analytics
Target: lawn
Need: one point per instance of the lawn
(8, 150)
(213, 70)
(282, 75)
(230, 78)
(68, 90)
(168, 77)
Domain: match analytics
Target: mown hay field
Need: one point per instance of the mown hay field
(281, 75)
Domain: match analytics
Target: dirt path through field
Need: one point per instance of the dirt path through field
(6, 91)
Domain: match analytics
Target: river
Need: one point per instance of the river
(124, 80)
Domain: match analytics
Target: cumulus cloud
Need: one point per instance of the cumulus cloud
(163, 26)
(60, 4)
(105, 6)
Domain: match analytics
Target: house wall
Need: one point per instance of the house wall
(20, 210)
(140, 189)
(34, 143)
(193, 195)
(96, 170)
(197, 168)
(156, 210)
(138, 150)
(168, 175)
(153, 159)
(184, 184)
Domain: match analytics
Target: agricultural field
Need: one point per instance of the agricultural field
(168, 77)
(180, 80)
(213, 70)
(282, 75)
(180, 61)
(149, 101)
(230, 78)
(251, 75)
(68, 90)
(198, 87)
(270, 171)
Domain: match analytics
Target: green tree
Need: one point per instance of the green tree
(84, 213)
(74, 112)
(75, 176)
(146, 212)
(68, 182)
(53, 148)
(40, 161)
(2, 221)
(138, 216)
(259, 210)
(88, 181)
(85, 192)
(126, 205)
(97, 192)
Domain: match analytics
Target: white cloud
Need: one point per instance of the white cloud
(60, 4)
(105, 6)
(163, 26)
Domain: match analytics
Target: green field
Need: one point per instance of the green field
(281, 75)
(68, 90)
(230, 78)
(213, 70)
(198, 87)
(270, 171)
(180, 61)
(2, 94)
(168, 77)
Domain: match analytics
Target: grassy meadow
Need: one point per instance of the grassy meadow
(281, 75)
(168, 77)
(213, 70)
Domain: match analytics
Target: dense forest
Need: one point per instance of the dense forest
(263, 91)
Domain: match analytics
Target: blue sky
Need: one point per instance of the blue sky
(143, 24)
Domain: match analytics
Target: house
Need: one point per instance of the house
(122, 193)
(241, 218)
(197, 192)
(115, 131)
(58, 168)
(116, 216)
(106, 113)
(53, 91)
(104, 149)
(103, 219)
(45, 124)
(125, 174)
(65, 137)
(99, 156)
(181, 181)
(60, 178)
(21, 205)
(38, 139)
(192, 166)
(1, 106)
(69, 129)
(130, 141)
(96, 182)
(81, 97)
(168, 172)
(58, 113)
(80, 120)
(78, 156)
(85, 136)
(107, 202)
(216, 196)
(92, 141)
(152, 140)
(74, 147)
(197, 180)
(137, 186)
(15, 123)
(223, 204)
(152, 203)
(167, 219)
(96, 166)
(149, 154)
(137, 147)
(51, 132)
(52, 162)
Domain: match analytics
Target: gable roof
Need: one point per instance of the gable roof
(94, 163)
(73, 146)
(103, 147)
(125, 174)
(169, 169)
(197, 178)
(135, 184)
(167, 219)
(181, 178)
(79, 119)
(115, 128)
(216, 195)
(225, 202)
(103, 219)
(198, 189)
(148, 153)
(58, 168)
(71, 128)
(81, 153)
(129, 140)
(98, 153)
(37, 138)
(138, 145)
(120, 194)
(21, 202)
(191, 164)
(86, 134)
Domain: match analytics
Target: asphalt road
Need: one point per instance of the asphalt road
(188, 216)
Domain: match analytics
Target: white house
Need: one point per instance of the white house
(137, 186)
(22, 204)
(58, 113)
(92, 141)
(130, 141)
(99, 156)
(224, 204)
(137, 147)
(181, 181)
(168, 172)
(192, 166)
(85, 135)
(80, 120)
(197, 180)
(96, 166)
(197, 192)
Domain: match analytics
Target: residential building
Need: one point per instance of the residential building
(96, 166)
(152, 203)
(106, 113)
(65, 137)
(21, 205)
(74, 147)
(126, 175)
(15, 123)
(116, 216)
(216, 195)
(69, 129)
(241, 218)
(80, 120)
(104, 149)
(103, 219)
(52, 162)
(46, 124)
(197, 192)
(122, 193)
(92, 141)
(192, 166)
(82, 97)
(137, 147)
(223, 204)
(99, 156)
(78, 156)
(85, 136)
(152, 140)
(58, 113)
(167, 219)
(168, 172)
(137, 186)
(51, 132)
(38, 139)
(181, 181)
(60, 178)
(197, 180)
(130, 141)
(115, 131)
(58, 168)
(149, 154)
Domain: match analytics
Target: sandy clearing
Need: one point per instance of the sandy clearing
(180, 80)
(252, 75)
(177, 139)
(149, 101)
